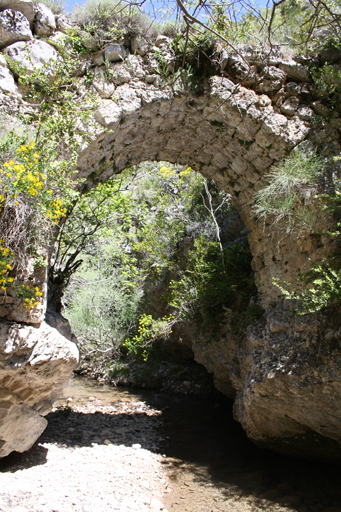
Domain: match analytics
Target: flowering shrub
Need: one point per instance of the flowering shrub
(24, 180)
(26, 177)
(31, 295)
(148, 331)
(6, 258)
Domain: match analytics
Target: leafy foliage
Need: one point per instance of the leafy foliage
(150, 230)
(303, 25)
(38, 185)
(206, 283)
(105, 21)
(148, 331)
(321, 287)
(292, 203)
(328, 79)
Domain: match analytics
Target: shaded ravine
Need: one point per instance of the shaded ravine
(208, 463)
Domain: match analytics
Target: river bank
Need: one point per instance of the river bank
(95, 455)
(111, 449)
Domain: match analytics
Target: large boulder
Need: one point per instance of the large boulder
(32, 55)
(7, 83)
(35, 365)
(13, 27)
(288, 383)
(44, 22)
(24, 6)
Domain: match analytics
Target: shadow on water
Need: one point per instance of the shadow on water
(206, 441)
(207, 453)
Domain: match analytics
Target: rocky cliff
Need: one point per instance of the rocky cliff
(250, 111)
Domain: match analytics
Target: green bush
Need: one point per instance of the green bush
(105, 21)
(130, 234)
(318, 288)
(289, 202)
(208, 282)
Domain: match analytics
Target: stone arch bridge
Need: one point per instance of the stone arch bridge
(285, 375)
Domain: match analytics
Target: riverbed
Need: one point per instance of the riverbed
(113, 449)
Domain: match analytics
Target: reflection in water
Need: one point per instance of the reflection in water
(80, 390)
(211, 463)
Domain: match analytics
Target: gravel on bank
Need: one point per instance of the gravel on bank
(91, 458)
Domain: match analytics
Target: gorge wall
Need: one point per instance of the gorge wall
(252, 110)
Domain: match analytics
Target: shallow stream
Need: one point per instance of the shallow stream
(111, 449)
(211, 464)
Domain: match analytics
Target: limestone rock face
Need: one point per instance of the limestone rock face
(288, 378)
(32, 55)
(23, 6)
(7, 83)
(35, 365)
(217, 357)
(13, 27)
(44, 21)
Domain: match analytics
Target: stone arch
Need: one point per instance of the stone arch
(229, 134)
(233, 135)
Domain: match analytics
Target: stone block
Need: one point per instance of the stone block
(14, 26)
(295, 71)
(44, 20)
(32, 55)
(115, 53)
(26, 7)
(7, 83)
